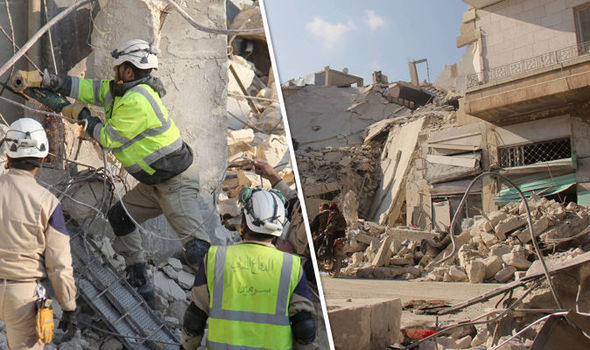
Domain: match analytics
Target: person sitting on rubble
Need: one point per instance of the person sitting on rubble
(319, 223)
(34, 241)
(335, 227)
(141, 135)
(253, 295)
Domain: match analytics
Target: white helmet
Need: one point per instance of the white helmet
(26, 138)
(138, 52)
(264, 210)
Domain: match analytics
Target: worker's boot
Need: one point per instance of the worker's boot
(138, 279)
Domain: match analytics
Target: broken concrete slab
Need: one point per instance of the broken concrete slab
(380, 320)
(167, 287)
(384, 253)
(516, 260)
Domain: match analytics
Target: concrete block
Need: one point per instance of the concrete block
(365, 238)
(273, 149)
(480, 338)
(374, 325)
(167, 287)
(505, 274)
(493, 265)
(539, 226)
(489, 239)
(499, 250)
(496, 216)
(175, 263)
(510, 224)
(516, 260)
(242, 135)
(456, 274)
(170, 272)
(186, 279)
(464, 343)
(476, 271)
(384, 253)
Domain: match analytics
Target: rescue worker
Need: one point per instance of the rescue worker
(34, 241)
(318, 225)
(253, 295)
(335, 228)
(141, 135)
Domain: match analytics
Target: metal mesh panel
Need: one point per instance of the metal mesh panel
(533, 153)
(114, 300)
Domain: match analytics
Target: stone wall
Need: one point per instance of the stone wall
(514, 29)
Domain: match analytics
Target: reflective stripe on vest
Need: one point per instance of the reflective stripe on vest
(280, 317)
(159, 154)
(146, 133)
(75, 90)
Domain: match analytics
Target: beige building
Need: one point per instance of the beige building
(525, 111)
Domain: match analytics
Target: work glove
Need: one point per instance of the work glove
(25, 79)
(68, 324)
(77, 111)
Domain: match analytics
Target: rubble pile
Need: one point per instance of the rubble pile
(244, 145)
(494, 248)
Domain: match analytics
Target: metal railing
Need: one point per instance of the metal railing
(527, 65)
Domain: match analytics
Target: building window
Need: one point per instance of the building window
(582, 15)
(534, 153)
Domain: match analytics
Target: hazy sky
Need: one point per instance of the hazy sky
(364, 36)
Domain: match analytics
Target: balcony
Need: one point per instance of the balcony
(542, 86)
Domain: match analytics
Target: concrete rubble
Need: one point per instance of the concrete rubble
(398, 168)
(494, 248)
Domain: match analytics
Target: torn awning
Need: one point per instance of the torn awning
(542, 187)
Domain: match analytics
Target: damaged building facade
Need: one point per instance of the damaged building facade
(524, 111)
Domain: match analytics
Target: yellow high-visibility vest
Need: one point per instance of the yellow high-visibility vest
(250, 287)
(138, 130)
